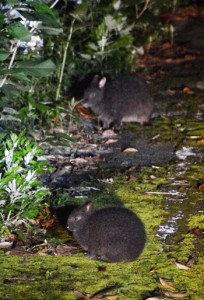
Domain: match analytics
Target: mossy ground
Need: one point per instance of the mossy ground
(168, 202)
(56, 277)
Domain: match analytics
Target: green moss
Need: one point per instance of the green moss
(159, 196)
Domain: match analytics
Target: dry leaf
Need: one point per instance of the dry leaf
(80, 295)
(154, 271)
(112, 297)
(111, 141)
(194, 137)
(130, 150)
(191, 262)
(131, 178)
(153, 298)
(84, 112)
(200, 187)
(187, 90)
(181, 267)
(166, 285)
(172, 295)
(6, 245)
(79, 160)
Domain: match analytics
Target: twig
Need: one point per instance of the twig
(64, 59)
(138, 15)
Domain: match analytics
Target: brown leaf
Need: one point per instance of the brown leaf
(194, 137)
(131, 178)
(84, 112)
(130, 150)
(153, 298)
(154, 271)
(109, 132)
(187, 90)
(66, 249)
(112, 297)
(197, 232)
(6, 245)
(172, 295)
(191, 262)
(181, 267)
(81, 295)
(166, 285)
(110, 141)
(18, 251)
(200, 187)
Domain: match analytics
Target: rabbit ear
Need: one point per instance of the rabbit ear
(102, 83)
(94, 81)
(89, 206)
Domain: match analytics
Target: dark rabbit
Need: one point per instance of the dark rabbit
(126, 98)
(112, 234)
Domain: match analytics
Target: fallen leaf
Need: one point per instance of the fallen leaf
(109, 132)
(84, 112)
(166, 285)
(79, 160)
(172, 295)
(6, 245)
(112, 297)
(67, 249)
(110, 141)
(197, 232)
(194, 137)
(154, 271)
(81, 295)
(153, 298)
(127, 150)
(187, 90)
(18, 251)
(200, 187)
(190, 57)
(191, 262)
(181, 267)
(131, 178)
(171, 92)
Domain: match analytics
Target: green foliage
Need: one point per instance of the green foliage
(21, 192)
(21, 25)
(106, 37)
(103, 37)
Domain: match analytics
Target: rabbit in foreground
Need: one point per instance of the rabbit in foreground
(126, 98)
(112, 234)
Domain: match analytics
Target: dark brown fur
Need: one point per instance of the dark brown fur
(112, 234)
(126, 98)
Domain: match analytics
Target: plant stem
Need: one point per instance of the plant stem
(138, 14)
(64, 59)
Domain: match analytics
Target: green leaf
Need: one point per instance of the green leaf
(10, 91)
(4, 54)
(40, 106)
(51, 30)
(41, 7)
(36, 69)
(19, 32)
(80, 12)
(12, 2)
(20, 76)
(65, 137)
(47, 19)
(2, 17)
